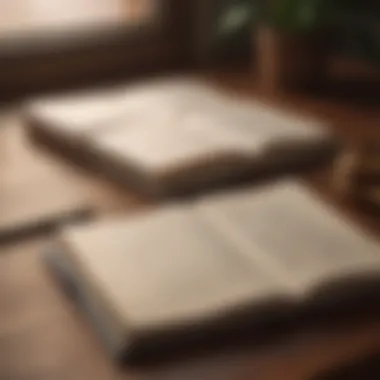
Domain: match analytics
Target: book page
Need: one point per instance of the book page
(85, 111)
(254, 116)
(300, 238)
(165, 142)
(78, 112)
(167, 267)
(226, 132)
(253, 127)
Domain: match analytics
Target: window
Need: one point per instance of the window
(26, 16)
(58, 43)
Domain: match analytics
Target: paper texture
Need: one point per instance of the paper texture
(168, 268)
(170, 142)
(77, 113)
(300, 236)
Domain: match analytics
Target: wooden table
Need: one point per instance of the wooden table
(43, 337)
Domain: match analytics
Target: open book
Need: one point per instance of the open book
(178, 135)
(226, 261)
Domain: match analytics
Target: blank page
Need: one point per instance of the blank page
(251, 117)
(167, 267)
(77, 113)
(169, 142)
(302, 239)
(82, 112)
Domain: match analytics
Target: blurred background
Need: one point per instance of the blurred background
(47, 43)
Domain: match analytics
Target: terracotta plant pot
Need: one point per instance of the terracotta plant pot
(287, 61)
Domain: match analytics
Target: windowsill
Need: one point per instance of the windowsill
(62, 40)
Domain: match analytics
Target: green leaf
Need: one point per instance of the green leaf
(293, 15)
(236, 18)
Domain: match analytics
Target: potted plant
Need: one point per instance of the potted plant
(291, 51)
